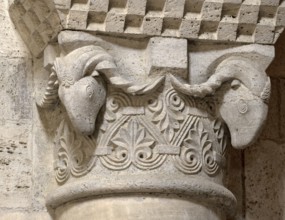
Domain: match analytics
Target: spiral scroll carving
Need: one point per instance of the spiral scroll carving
(197, 151)
(74, 154)
(132, 145)
(143, 133)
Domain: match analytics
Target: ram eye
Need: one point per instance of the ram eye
(235, 84)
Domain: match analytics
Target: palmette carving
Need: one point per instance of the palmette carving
(113, 106)
(138, 132)
(197, 151)
(167, 113)
(132, 145)
(82, 74)
(179, 128)
(180, 123)
(175, 121)
(222, 137)
(74, 154)
(238, 91)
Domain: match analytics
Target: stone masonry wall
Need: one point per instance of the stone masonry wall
(26, 170)
(264, 164)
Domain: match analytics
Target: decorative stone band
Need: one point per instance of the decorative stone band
(249, 21)
(37, 22)
(196, 188)
(158, 130)
(79, 77)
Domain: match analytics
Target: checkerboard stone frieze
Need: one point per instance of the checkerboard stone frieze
(37, 21)
(248, 21)
(245, 21)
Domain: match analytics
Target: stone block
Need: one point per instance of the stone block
(167, 55)
(212, 10)
(77, 19)
(24, 215)
(232, 1)
(115, 22)
(174, 8)
(190, 28)
(171, 27)
(152, 23)
(227, 30)
(270, 2)
(62, 4)
(99, 5)
(264, 34)
(280, 17)
(248, 13)
(147, 17)
(30, 21)
(30, 16)
(136, 7)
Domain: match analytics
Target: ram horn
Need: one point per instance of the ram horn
(232, 68)
(99, 60)
(50, 97)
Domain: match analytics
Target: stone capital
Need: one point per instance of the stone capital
(153, 92)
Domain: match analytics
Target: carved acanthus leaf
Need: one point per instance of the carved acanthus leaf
(132, 144)
(197, 152)
(74, 154)
(167, 113)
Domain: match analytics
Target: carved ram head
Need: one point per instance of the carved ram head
(241, 90)
(239, 86)
(76, 80)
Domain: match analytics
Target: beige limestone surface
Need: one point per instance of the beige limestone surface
(15, 116)
(26, 171)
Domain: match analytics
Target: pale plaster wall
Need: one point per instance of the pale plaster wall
(256, 175)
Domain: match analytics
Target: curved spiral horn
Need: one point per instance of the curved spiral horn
(71, 68)
(81, 62)
(50, 97)
(232, 68)
(89, 60)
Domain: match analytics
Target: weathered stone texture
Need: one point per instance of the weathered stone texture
(27, 174)
(264, 181)
(38, 21)
(264, 163)
(250, 21)
(45, 123)
(242, 21)
(21, 215)
(15, 118)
